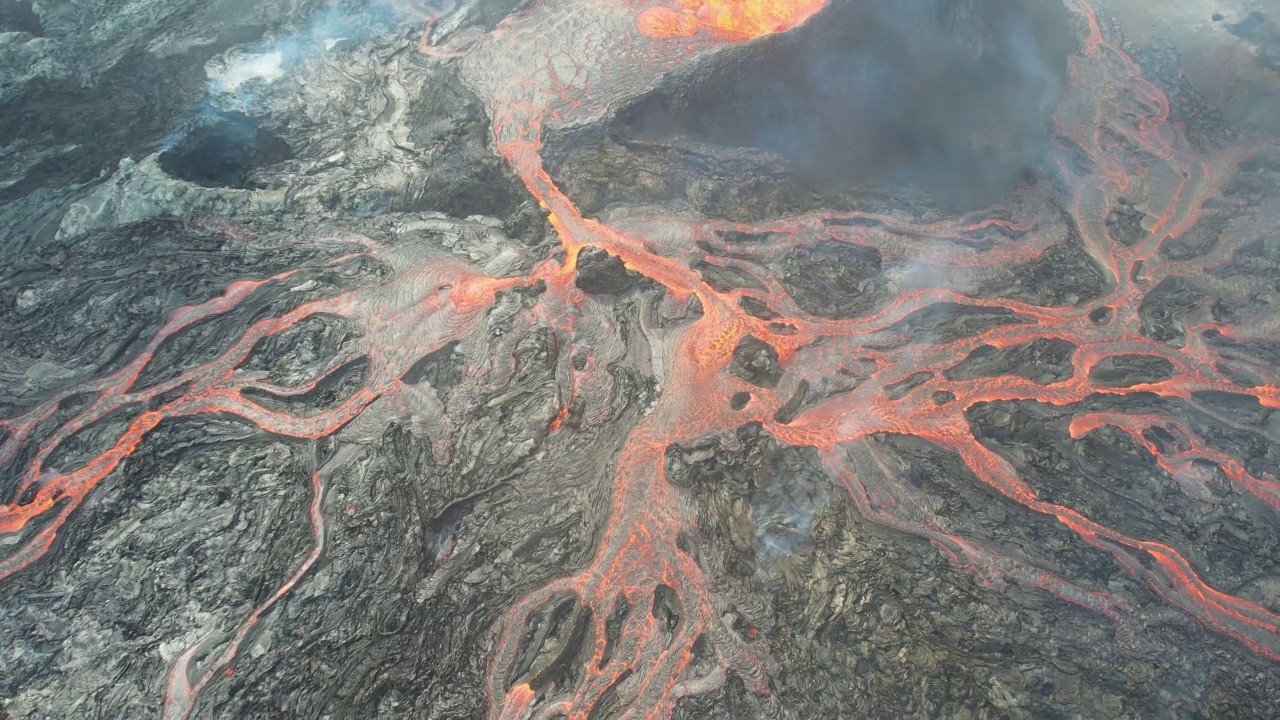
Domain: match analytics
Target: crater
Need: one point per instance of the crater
(224, 149)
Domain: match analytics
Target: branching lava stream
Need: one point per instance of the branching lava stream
(644, 603)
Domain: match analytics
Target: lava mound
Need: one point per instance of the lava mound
(945, 98)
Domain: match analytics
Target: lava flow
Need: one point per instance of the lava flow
(641, 576)
(646, 611)
(734, 20)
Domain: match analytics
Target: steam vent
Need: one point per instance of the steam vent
(594, 359)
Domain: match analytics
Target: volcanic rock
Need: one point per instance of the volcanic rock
(307, 410)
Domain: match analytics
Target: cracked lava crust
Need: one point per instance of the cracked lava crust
(941, 376)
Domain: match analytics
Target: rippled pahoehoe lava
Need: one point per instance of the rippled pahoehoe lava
(644, 610)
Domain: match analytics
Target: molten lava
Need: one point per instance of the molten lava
(645, 602)
(732, 19)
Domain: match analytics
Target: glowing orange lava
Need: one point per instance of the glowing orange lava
(1112, 125)
(733, 19)
(638, 556)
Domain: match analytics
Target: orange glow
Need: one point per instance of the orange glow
(894, 380)
(665, 23)
(733, 19)
(558, 420)
(518, 702)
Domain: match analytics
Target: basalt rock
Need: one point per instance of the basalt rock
(623, 358)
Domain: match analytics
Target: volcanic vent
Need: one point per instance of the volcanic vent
(938, 101)
(223, 149)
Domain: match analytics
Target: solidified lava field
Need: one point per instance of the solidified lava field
(690, 358)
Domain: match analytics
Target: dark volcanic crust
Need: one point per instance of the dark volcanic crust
(339, 407)
(945, 99)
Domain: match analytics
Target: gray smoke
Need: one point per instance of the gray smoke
(952, 97)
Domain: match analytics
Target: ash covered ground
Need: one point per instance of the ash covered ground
(573, 359)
